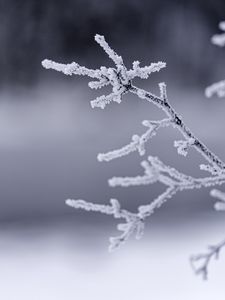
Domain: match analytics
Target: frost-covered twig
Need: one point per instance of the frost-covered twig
(178, 123)
(138, 142)
(121, 80)
(200, 262)
(133, 224)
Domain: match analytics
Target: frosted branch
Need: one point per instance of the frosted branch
(148, 210)
(144, 72)
(135, 226)
(100, 39)
(71, 69)
(178, 123)
(134, 223)
(120, 78)
(113, 209)
(138, 142)
(210, 169)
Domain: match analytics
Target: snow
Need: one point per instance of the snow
(48, 263)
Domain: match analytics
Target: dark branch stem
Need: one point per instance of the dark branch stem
(179, 124)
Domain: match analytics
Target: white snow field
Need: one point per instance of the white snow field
(49, 141)
(69, 261)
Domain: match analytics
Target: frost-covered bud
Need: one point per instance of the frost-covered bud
(221, 196)
(219, 39)
(216, 88)
(222, 25)
(146, 123)
(135, 138)
(182, 146)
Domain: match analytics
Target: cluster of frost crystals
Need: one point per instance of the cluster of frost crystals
(182, 146)
(118, 77)
(154, 170)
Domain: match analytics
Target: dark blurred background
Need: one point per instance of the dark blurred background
(175, 30)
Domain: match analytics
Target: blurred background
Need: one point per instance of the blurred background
(177, 31)
(50, 137)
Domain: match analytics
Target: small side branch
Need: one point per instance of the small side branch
(133, 223)
(138, 142)
(179, 124)
(200, 262)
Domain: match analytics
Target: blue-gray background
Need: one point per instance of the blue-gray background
(50, 137)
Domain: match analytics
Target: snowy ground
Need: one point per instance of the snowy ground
(67, 261)
(48, 146)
